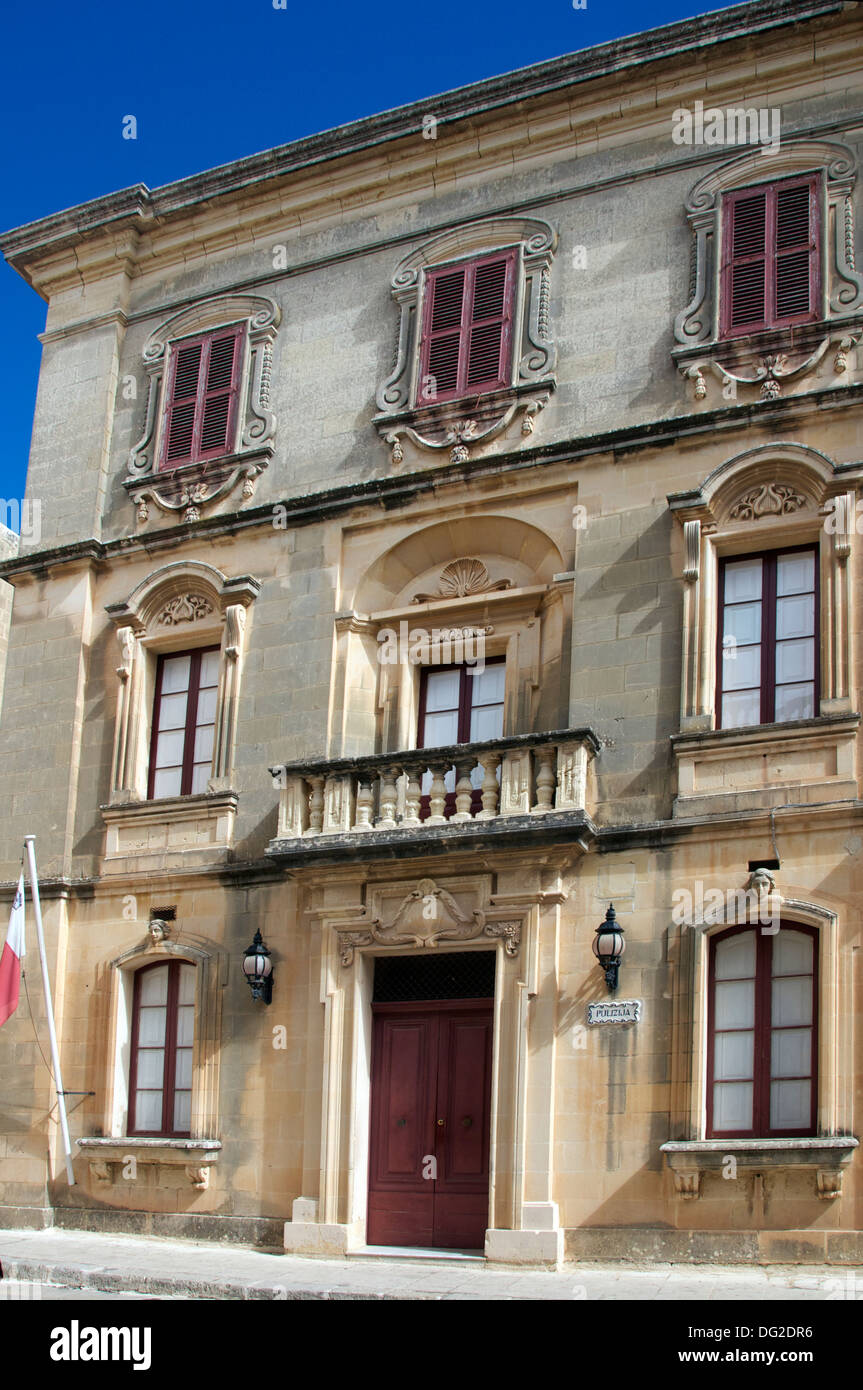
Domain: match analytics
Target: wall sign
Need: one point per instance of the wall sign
(615, 1011)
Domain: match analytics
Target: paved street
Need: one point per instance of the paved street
(161, 1268)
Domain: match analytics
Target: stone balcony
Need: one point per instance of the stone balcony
(533, 789)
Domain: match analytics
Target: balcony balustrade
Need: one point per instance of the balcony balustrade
(526, 775)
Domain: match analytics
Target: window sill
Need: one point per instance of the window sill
(193, 488)
(463, 424)
(196, 1156)
(187, 830)
(808, 761)
(772, 362)
(689, 1160)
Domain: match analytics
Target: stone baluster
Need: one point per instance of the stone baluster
(437, 795)
(413, 792)
(464, 790)
(365, 802)
(293, 807)
(545, 781)
(389, 798)
(489, 764)
(337, 804)
(316, 804)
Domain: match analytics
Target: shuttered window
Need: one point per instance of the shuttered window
(771, 256)
(202, 388)
(467, 330)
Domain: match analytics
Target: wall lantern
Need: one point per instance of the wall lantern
(258, 969)
(608, 947)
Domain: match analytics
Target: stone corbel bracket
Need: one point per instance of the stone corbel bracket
(827, 1157)
(193, 488)
(111, 1160)
(769, 372)
(458, 425)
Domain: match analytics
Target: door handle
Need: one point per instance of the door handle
(441, 1122)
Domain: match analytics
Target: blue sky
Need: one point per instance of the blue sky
(212, 81)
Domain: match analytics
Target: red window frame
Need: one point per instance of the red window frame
(467, 326)
(201, 396)
(169, 1075)
(770, 255)
(188, 772)
(762, 1068)
(465, 709)
(768, 631)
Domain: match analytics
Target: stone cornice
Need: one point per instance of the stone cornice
(137, 207)
(397, 490)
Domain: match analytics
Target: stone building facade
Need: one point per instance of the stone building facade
(449, 529)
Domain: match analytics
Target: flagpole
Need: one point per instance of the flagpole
(52, 1031)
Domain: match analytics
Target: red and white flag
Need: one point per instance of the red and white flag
(13, 954)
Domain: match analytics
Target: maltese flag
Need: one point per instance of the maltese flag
(13, 954)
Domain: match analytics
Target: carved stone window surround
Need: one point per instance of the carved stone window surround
(689, 1155)
(471, 421)
(759, 364)
(768, 497)
(192, 489)
(181, 605)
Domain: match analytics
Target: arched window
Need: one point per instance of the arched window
(163, 1034)
(762, 1033)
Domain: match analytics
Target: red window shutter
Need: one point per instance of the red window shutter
(794, 246)
(770, 269)
(747, 298)
(467, 335)
(202, 391)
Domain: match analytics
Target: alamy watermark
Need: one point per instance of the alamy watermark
(735, 125)
(24, 517)
(705, 906)
(438, 646)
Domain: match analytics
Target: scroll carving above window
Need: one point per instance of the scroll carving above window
(776, 302)
(208, 425)
(473, 351)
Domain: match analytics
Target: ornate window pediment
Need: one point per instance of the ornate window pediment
(244, 446)
(726, 365)
(434, 413)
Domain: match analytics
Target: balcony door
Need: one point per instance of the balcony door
(459, 704)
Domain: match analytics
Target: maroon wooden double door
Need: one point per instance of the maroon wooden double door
(430, 1121)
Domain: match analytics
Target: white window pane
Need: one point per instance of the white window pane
(733, 1056)
(792, 953)
(792, 1001)
(201, 774)
(154, 986)
(735, 1004)
(183, 1079)
(172, 712)
(204, 744)
(167, 783)
(791, 1052)
(795, 660)
(187, 984)
(735, 957)
(790, 1105)
(175, 674)
(151, 1026)
(794, 702)
(210, 668)
(442, 690)
(741, 709)
(743, 622)
(741, 668)
(151, 1066)
(488, 686)
(795, 574)
(486, 723)
(169, 748)
(440, 729)
(732, 1105)
(742, 580)
(148, 1110)
(795, 616)
(182, 1110)
(185, 1025)
(206, 707)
